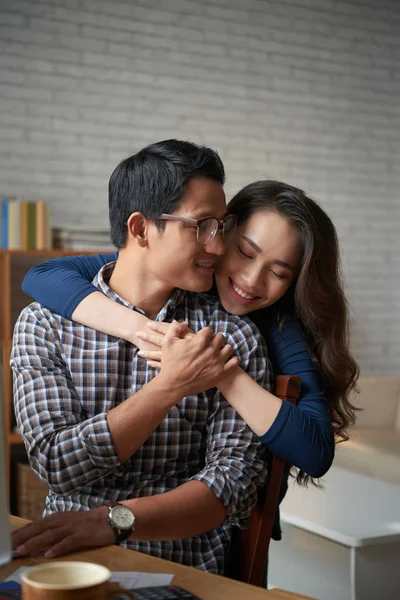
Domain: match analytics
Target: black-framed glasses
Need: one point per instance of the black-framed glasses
(208, 227)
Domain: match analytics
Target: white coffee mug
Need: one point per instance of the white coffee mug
(67, 580)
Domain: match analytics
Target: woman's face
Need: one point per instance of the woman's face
(259, 264)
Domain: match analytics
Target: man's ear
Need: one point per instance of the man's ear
(138, 229)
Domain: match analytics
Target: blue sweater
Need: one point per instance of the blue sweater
(301, 434)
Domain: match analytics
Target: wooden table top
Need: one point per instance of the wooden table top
(205, 585)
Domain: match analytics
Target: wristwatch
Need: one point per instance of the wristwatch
(122, 520)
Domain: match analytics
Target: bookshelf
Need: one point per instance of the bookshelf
(24, 225)
(14, 264)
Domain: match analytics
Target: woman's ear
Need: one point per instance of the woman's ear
(138, 229)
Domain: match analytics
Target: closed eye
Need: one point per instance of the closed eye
(244, 253)
(279, 276)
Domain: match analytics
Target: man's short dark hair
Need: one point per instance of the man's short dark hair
(153, 182)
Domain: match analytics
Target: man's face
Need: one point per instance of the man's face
(174, 256)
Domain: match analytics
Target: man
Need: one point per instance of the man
(158, 461)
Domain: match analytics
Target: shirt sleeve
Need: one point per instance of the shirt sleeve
(302, 434)
(235, 460)
(61, 284)
(65, 449)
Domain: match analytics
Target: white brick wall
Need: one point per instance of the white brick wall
(303, 90)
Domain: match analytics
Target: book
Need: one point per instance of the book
(14, 224)
(10, 589)
(24, 226)
(41, 233)
(4, 225)
(74, 237)
(31, 226)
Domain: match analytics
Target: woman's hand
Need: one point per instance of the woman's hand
(155, 338)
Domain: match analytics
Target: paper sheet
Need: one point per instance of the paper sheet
(129, 580)
(132, 580)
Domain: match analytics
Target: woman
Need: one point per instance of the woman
(282, 267)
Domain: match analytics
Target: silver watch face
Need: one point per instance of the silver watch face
(122, 517)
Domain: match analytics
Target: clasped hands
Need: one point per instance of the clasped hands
(194, 361)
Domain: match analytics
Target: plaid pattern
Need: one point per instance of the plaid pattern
(67, 377)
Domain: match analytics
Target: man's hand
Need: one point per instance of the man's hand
(194, 363)
(64, 532)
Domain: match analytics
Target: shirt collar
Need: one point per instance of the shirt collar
(101, 282)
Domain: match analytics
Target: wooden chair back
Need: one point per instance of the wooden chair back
(249, 547)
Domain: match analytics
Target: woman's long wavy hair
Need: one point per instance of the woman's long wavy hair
(315, 300)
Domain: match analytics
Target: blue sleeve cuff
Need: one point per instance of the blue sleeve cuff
(76, 298)
(278, 424)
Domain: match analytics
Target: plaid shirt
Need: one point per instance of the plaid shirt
(67, 377)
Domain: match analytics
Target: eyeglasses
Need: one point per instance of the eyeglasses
(208, 227)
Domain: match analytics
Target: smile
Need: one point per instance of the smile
(241, 293)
